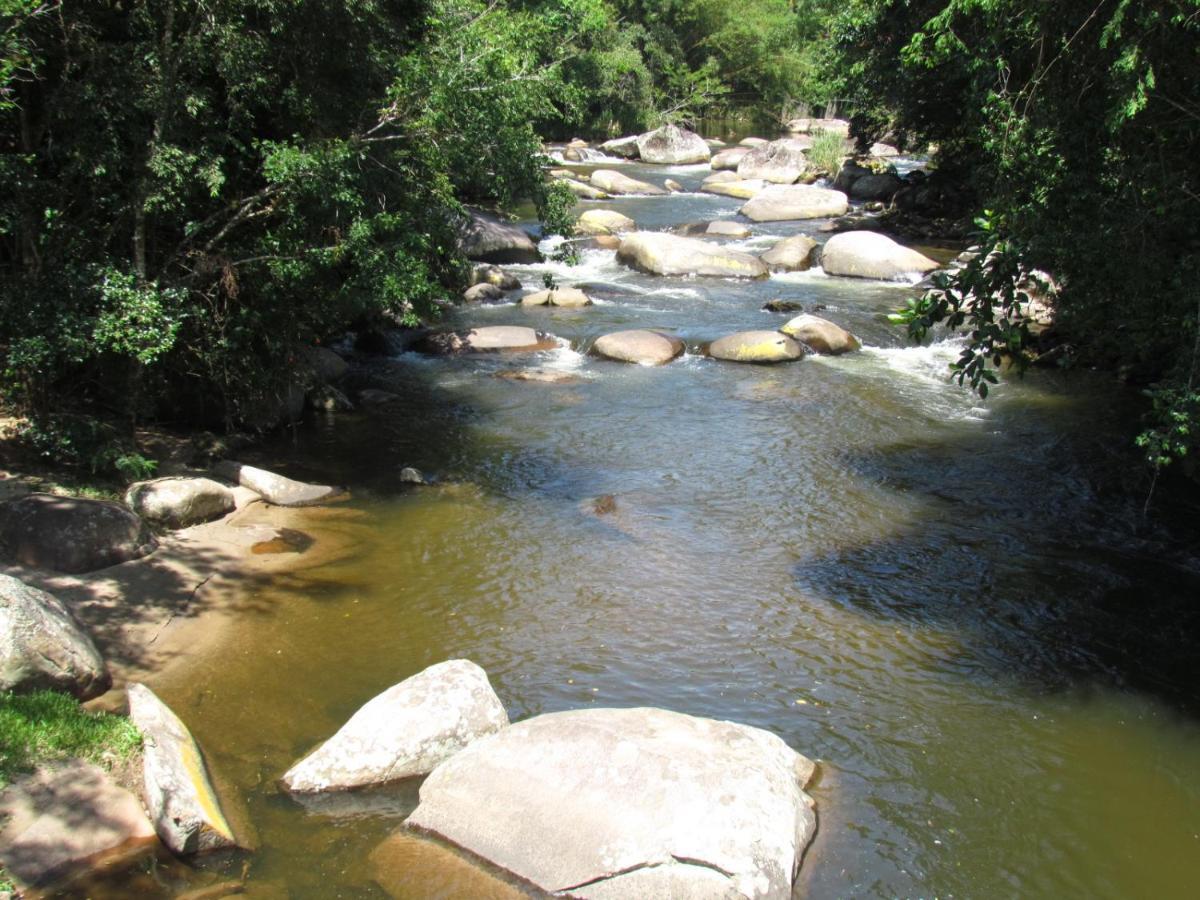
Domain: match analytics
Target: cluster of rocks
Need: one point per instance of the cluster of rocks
(599, 803)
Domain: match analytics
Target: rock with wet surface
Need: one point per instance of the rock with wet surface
(729, 158)
(276, 489)
(70, 534)
(407, 730)
(486, 238)
(626, 147)
(659, 253)
(614, 182)
(672, 145)
(868, 254)
(792, 254)
(726, 228)
(646, 348)
(568, 297)
(783, 202)
(178, 501)
(779, 162)
(756, 347)
(741, 189)
(821, 335)
(583, 191)
(647, 803)
(43, 647)
(67, 819)
(673, 186)
(486, 273)
(483, 293)
(176, 788)
(604, 221)
(488, 339)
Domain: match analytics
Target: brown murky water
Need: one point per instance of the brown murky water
(931, 596)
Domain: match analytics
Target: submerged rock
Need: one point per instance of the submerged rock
(821, 335)
(407, 730)
(69, 534)
(782, 202)
(565, 297)
(646, 348)
(604, 221)
(178, 501)
(615, 183)
(756, 347)
(181, 800)
(672, 145)
(488, 239)
(491, 338)
(868, 254)
(42, 646)
(792, 254)
(659, 253)
(741, 189)
(608, 803)
(276, 489)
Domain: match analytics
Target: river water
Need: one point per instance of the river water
(954, 606)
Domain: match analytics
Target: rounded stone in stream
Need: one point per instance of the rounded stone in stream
(178, 502)
(276, 489)
(792, 254)
(725, 228)
(483, 293)
(658, 253)
(612, 803)
(779, 162)
(491, 338)
(783, 202)
(821, 335)
(42, 646)
(615, 183)
(69, 534)
(729, 158)
(868, 254)
(486, 238)
(604, 221)
(407, 730)
(756, 347)
(564, 297)
(672, 145)
(740, 189)
(646, 348)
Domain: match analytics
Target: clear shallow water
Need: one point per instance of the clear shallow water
(930, 595)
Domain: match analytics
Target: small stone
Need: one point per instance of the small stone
(409, 475)
(673, 186)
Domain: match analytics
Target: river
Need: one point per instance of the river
(954, 605)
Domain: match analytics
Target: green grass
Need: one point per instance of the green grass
(45, 726)
(827, 152)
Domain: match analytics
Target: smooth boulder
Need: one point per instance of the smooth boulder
(176, 788)
(613, 182)
(583, 191)
(723, 175)
(783, 202)
(882, 187)
(729, 158)
(483, 293)
(277, 490)
(69, 534)
(725, 228)
(565, 297)
(821, 335)
(625, 147)
(407, 730)
(742, 189)
(659, 253)
(604, 221)
(792, 254)
(672, 145)
(488, 339)
(756, 347)
(869, 254)
(486, 273)
(779, 162)
(178, 502)
(42, 646)
(608, 803)
(645, 348)
(488, 239)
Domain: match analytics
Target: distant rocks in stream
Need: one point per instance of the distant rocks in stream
(779, 162)
(567, 297)
(486, 273)
(729, 158)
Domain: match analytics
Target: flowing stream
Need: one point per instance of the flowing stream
(953, 605)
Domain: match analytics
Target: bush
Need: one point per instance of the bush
(828, 151)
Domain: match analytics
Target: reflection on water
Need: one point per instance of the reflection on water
(928, 594)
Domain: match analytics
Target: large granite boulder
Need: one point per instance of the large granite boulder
(42, 646)
(729, 158)
(779, 162)
(659, 253)
(625, 147)
(614, 182)
(672, 145)
(868, 254)
(756, 347)
(646, 348)
(821, 335)
(488, 239)
(407, 730)
(604, 221)
(178, 501)
(278, 490)
(488, 339)
(792, 254)
(68, 534)
(782, 202)
(175, 786)
(615, 803)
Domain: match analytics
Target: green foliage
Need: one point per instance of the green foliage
(45, 726)
(828, 151)
(83, 443)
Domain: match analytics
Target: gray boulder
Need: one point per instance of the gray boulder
(608, 803)
(613, 182)
(178, 502)
(486, 238)
(626, 147)
(876, 187)
(483, 293)
(792, 254)
(646, 348)
(756, 347)
(583, 191)
(565, 297)
(821, 335)
(729, 158)
(42, 646)
(671, 145)
(659, 253)
(883, 151)
(68, 534)
(783, 202)
(407, 730)
(276, 489)
(868, 254)
(176, 789)
(779, 162)
(850, 172)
